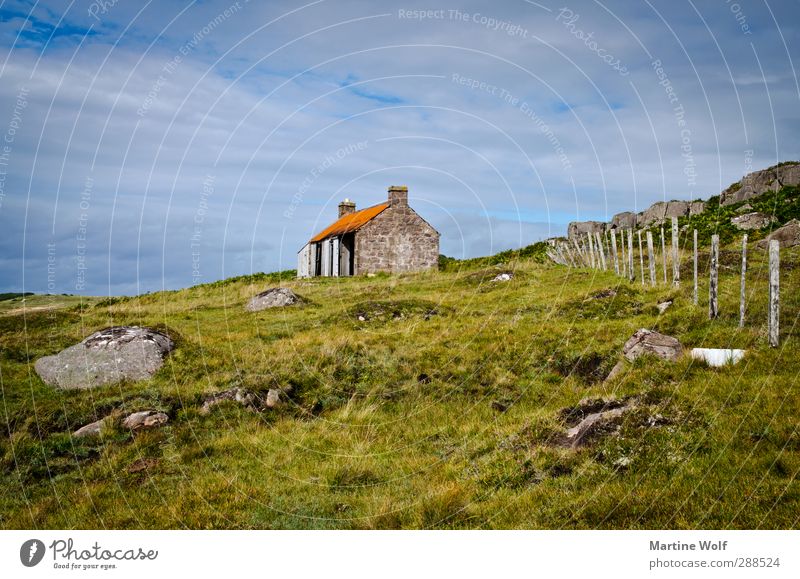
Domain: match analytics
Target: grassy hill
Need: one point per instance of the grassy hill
(436, 411)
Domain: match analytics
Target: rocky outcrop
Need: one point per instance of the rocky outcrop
(624, 220)
(144, 420)
(106, 357)
(697, 207)
(662, 211)
(753, 220)
(276, 297)
(760, 182)
(788, 235)
(577, 230)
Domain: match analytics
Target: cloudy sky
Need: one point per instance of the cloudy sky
(150, 145)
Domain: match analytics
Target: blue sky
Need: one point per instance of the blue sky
(154, 145)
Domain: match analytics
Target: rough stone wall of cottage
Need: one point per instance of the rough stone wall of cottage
(397, 240)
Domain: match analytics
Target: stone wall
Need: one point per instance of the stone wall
(397, 240)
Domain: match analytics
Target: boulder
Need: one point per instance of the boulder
(108, 356)
(664, 306)
(91, 429)
(646, 341)
(276, 297)
(788, 235)
(577, 230)
(753, 220)
(760, 182)
(624, 220)
(145, 419)
(239, 395)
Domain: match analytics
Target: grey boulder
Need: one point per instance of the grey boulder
(788, 235)
(106, 357)
(752, 220)
(272, 298)
(646, 341)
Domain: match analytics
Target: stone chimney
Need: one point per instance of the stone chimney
(398, 195)
(346, 207)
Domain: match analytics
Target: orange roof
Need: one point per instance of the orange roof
(350, 222)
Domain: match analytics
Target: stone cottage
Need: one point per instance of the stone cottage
(389, 237)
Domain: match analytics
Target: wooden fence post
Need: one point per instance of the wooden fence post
(641, 255)
(664, 253)
(614, 251)
(676, 263)
(622, 254)
(591, 248)
(631, 271)
(742, 284)
(774, 292)
(713, 305)
(602, 251)
(651, 258)
(695, 266)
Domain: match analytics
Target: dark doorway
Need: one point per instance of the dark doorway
(347, 253)
(317, 249)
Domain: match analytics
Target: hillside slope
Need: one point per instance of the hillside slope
(417, 401)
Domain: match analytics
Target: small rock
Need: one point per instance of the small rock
(605, 293)
(646, 341)
(273, 398)
(664, 306)
(500, 405)
(272, 298)
(503, 277)
(655, 420)
(622, 462)
(92, 429)
(142, 464)
(239, 395)
(362, 318)
(574, 414)
(593, 424)
(145, 419)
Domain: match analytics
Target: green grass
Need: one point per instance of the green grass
(407, 419)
